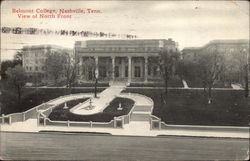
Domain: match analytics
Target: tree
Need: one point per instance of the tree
(18, 57)
(87, 67)
(211, 65)
(10, 64)
(55, 64)
(70, 70)
(17, 78)
(167, 63)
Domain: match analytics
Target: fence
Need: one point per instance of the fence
(117, 122)
(46, 109)
(155, 122)
(34, 112)
(21, 116)
(44, 121)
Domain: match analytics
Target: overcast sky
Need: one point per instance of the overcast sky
(190, 23)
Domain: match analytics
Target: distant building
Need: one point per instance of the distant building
(235, 53)
(121, 60)
(229, 48)
(34, 58)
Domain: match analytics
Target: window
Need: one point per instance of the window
(90, 75)
(30, 68)
(116, 71)
(102, 71)
(126, 71)
(36, 68)
(155, 70)
(137, 71)
(149, 70)
(136, 60)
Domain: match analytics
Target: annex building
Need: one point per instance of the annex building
(120, 60)
(235, 55)
(34, 58)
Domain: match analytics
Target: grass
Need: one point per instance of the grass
(190, 107)
(173, 82)
(32, 97)
(60, 114)
(194, 83)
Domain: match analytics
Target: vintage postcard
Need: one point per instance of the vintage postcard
(124, 80)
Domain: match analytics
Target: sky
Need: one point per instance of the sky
(190, 23)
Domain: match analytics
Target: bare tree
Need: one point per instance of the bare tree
(211, 65)
(71, 66)
(89, 66)
(167, 63)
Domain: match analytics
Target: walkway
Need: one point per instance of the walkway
(236, 86)
(96, 105)
(135, 128)
(142, 108)
(185, 84)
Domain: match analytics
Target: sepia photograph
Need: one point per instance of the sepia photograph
(124, 80)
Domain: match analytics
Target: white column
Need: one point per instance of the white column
(146, 69)
(129, 69)
(113, 67)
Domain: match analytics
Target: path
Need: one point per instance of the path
(236, 86)
(135, 128)
(97, 104)
(185, 84)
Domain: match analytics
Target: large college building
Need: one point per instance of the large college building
(34, 58)
(121, 60)
(235, 55)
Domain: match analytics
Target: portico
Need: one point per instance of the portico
(120, 60)
(118, 68)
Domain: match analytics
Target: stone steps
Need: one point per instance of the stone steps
(142, 108)
(143, 116)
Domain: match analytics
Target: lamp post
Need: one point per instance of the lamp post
(246, 74)
(96, 81)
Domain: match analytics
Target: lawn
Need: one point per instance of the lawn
(32, 97)
(60, 114)
(189, 107)
(194, 83)
(173, 82)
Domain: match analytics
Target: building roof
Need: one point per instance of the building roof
(125, 43)
(232, 41)
(42, 46)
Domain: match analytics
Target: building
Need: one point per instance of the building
(121, 60)
(230, 49)
(34, 58)
(235, 55)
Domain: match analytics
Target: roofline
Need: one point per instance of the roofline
(218, 41)
(45, 46)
